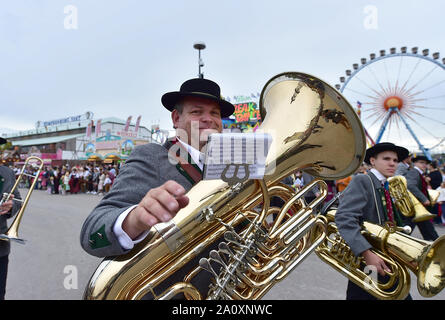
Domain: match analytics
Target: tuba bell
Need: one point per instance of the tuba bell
(400, 252)
(406, 202)
(260, 243)
(433, 195)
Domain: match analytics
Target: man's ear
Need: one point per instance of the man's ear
(175, 117)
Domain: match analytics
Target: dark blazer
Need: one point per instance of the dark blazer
(9, 179)
(360, 201)
(414, 181)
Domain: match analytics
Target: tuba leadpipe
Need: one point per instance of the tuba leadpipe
(303, 114)
(12, 233)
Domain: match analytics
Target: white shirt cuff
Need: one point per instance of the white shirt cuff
(124, 239)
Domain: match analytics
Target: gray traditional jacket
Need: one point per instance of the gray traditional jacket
(414, 181)
(147, 167)
(360, 201)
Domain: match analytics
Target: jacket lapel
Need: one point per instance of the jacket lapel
(185, 164)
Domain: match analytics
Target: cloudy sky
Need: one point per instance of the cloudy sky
(116, 58)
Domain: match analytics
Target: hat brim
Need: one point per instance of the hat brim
(415, 159)
(170, 99)
(2, 140)
(402, 153)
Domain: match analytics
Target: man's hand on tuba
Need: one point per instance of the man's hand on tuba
(371, 259)
(159, 205)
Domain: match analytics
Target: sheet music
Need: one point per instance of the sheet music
(236, 154)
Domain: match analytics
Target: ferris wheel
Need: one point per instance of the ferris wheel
(400, 97)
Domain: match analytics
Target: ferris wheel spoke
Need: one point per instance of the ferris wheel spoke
(370, 106)
(369, 116)
(424, 107)
(431, 119)
(361, 93)
(418, 124)
(422, 79)
(387, 76)
(398, 74)
(369, 87)
(418, 100)
(411, 74)
(430, 87)
(377, 80)
(436, 97)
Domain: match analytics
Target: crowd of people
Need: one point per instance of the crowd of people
(81, 178)
(90, 179)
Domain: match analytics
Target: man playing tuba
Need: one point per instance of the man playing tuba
(150, 188)
(367, 199)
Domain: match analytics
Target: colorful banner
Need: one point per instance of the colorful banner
(98, 128)
(127, 125)
(138, 121)
(89, 128)
(246, 112)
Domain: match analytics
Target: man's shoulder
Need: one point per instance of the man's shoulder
(360, 178)
(6, 171)
(148, 149)
(412, 173)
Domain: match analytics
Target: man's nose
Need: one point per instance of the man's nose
(206, 118)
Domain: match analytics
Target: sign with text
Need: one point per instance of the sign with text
(247, 111)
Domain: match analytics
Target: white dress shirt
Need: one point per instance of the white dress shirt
(379, 176)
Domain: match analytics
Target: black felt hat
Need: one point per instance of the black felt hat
(402, 153)
(203, 88)
(420, 157)
(2, 140)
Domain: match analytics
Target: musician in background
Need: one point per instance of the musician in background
(367, 198)
(404, 166)
(435, 182)
(418, 185)
(150, 188)
(7, 210)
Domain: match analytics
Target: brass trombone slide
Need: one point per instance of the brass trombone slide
(12, 233)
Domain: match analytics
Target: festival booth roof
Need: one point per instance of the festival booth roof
(95, 157)
(110, 157)
(48, 140)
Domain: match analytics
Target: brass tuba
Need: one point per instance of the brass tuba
(400, 252)
(406, 202)
(314, 129)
